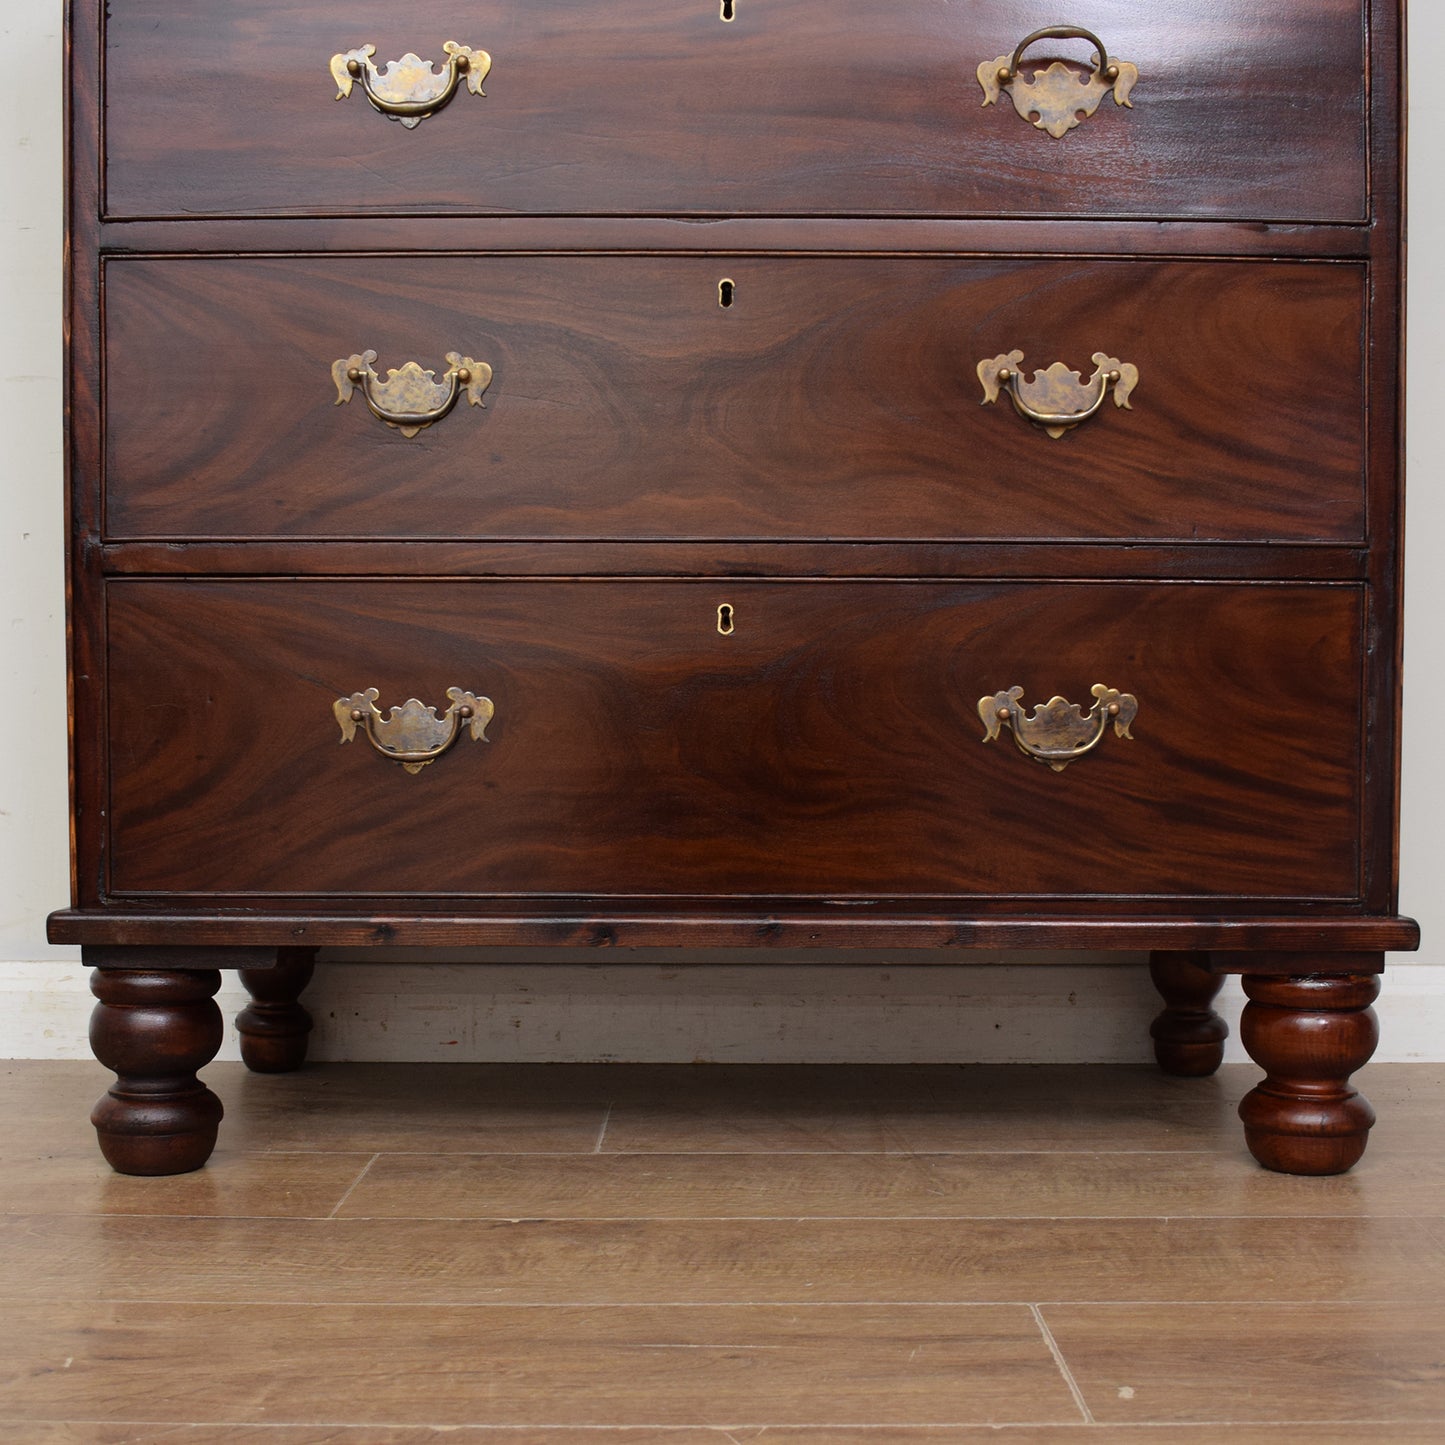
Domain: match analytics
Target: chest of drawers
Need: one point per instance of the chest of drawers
(618, 475)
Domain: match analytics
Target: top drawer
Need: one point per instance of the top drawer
(833, 107)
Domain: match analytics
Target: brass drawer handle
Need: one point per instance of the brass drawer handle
(408, 89)
(1058, 399)
(1057, 732)
(1056, 100)
(412, 734)
(410, 398)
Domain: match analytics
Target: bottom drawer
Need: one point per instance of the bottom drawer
(778, 739)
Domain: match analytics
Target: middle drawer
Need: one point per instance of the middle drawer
(790, 398)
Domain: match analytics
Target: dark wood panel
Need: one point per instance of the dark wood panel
(835, 398)
(1037, 560)
(797, 106)
(84, 452)
(894, 925)
(830, 746)
(738, 235)
(1386, 517)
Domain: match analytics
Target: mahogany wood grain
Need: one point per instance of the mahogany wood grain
(796, 107)
(274, 1027)
(837, 397)
(735, 235)
(1188, 1035)
(1097, 561)
(171, 955)
(1386, 513)
(830, 746)
(816, 779)
(1308, 1034)
(1354, 958)
(84, 443)
(155, 1028)
(974, 923)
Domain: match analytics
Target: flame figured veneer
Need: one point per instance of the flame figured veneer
(724, 562)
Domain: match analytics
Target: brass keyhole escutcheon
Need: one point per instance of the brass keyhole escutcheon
(725, 618)
(726, 290)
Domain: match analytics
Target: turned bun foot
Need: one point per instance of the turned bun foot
(274, 1027)
(1309, 1035)
(154, 1029)
(1188, 1035)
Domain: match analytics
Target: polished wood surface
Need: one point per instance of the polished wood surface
(715, 1246)
(899, 1184)
(274, 1026)
(155, 1028)
(432, 1263)
(1309, 1034)
(1320, 1364)
(830, 745)
(1269, 561)
(934, 924)
(814, 106)
(735, 235)
(1383, 53)
(814, 456)
(567, 1366)
(1188, 1035)
(834, 398)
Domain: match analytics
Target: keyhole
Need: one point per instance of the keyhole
(725, 290)
(725, 619)
(727, 9)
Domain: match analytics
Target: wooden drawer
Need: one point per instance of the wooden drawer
(835, 397)
(830, 746)
(840, 107)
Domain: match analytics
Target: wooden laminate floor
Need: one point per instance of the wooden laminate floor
(590, 1255)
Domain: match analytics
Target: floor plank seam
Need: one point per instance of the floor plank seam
(336, 1210)
(782, 1218)
(1062, 1363)
(877, 1302)
(602, 1128)
(415, 1218)
(895, 1153)
(1002, 1428)
(615, 1153)
(526, 1228)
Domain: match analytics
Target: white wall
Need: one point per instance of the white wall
(665, 1009)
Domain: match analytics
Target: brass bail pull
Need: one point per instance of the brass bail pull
(408, 90)
(410, 398)
(1008, 72)
(1058, 732)
(1056, 98)
(412, 734)
(1058, 399)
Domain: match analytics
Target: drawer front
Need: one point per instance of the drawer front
(1241, 110)
(834, 397)
(830, 744)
